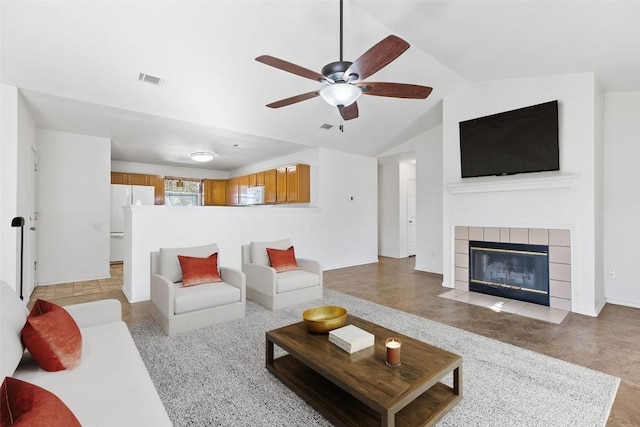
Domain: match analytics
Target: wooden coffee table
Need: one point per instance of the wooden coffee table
(359, 389)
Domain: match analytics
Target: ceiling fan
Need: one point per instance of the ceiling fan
(343, 80)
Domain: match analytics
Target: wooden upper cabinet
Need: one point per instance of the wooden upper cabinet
(138, 179)
(281, 185)
(270, 185)
(298, 184)
(260, 178)
(215, 192)
(252, 180)
(119, 178)
(232, 192)
(157, 182)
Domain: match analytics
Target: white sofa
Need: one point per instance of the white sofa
(111, 385)
(277, 290)
(179, 309)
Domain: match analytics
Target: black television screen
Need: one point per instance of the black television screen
(517, 141)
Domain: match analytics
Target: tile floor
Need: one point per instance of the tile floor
(504, 305)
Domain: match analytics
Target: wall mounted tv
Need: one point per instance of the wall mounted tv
(517, 141)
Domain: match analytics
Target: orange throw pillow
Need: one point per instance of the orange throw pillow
(283, 260)
(197, 271)
(26, 404)
(52, 337)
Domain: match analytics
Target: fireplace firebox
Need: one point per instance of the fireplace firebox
(510, 270)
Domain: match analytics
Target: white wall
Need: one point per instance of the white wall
(622, 197)
(17, 138)
(177, 171)
(74, 199)
(569, 208)
(348, 197)
(9, 245)
(429, 201)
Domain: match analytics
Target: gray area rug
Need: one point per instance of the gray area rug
(216, 376)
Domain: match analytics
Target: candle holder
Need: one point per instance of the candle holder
(393, 346)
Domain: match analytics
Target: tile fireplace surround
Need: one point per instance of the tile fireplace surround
(558, 240)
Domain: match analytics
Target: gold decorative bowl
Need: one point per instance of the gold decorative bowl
(320, 320)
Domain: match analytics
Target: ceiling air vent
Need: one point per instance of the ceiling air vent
(146, 78)
(326, 126)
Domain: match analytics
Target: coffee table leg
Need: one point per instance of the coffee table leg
(457, 380)
(269, 353)
(388, 419)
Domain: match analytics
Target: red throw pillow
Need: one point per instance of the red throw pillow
(52, 337)
(25, 404)
(283, 260)
(196, 271)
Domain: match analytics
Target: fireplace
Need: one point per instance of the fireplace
(510, 270)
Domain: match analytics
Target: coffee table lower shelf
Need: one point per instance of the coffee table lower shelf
(342, 409)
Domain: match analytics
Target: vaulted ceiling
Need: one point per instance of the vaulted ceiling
(78, 63)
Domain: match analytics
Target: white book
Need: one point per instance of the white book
(350, 338)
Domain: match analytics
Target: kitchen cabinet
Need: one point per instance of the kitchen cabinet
(252, 180)
(157, 182)
(298, 184)
(260, 178)
(232, 192)
(243, 184)
(270, 182)
(215, 192)
(281, 185)
(119, 178)
(138, 179)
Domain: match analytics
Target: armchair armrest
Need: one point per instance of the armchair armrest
(309, 265)
(234, 277)
(162, 294)
(95, 312)
(260, 277)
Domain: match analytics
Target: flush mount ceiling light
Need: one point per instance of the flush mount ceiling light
(203, 156)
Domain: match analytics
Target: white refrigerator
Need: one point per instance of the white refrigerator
(125, 195)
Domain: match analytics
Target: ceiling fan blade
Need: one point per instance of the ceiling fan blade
(349, 112)
(293, 99)
(395, 90)
(290, 68)
(376, 58)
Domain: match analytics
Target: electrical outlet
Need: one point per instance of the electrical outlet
(612, 274)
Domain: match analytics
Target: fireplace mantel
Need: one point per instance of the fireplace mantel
(512, 183)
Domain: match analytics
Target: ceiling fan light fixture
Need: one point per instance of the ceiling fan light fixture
(203, 156)
(340, 94)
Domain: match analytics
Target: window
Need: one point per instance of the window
(182, 192)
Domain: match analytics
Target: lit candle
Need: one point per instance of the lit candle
(393, 351)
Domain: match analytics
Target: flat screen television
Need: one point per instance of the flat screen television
(517, 141)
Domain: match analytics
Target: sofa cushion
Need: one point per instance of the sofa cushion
(169, 264)
(294, 280)
(259, 250)
(204, 296)
(111, 387)
(196, 271)
(52, 337)
(283, 260)
(25, 404)
(13, 317)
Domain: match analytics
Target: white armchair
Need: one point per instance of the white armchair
(276, 290)
(178, 309)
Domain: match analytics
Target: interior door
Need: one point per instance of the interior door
(411, 217)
